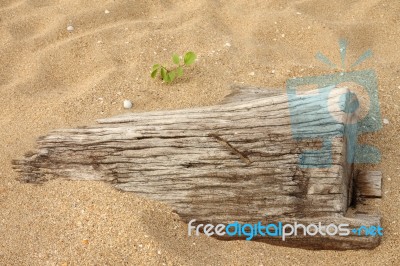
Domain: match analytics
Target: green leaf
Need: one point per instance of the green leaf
(167, 78)
(163, 74)
(156, 66)
(154, 73)
(171, 76)
(179, 72)
(189, 58)
(175, 59)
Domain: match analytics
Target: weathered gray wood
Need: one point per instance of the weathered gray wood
(232, 162)
(369, 184)
(243, 93)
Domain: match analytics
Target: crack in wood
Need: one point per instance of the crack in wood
(229, 146)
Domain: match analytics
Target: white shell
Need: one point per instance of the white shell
(127, 104)
(70, 28)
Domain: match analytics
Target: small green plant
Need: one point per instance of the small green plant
(170, 75)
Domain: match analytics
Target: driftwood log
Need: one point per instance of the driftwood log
(236, 161)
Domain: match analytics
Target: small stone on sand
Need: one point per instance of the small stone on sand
(106, 11)
(70, 28)
(127, 104)
(385, 121)
(251, 74)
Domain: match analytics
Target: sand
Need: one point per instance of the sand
(54, 78)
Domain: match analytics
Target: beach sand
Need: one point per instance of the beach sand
(54, 78)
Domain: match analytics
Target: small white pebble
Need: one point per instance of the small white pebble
(99, 42)
(386, 121)
(127, 104)
(140, 245)
(70, 28)
(389, 179)
(159, 252)
(227, 44)
(298, 13)
(106, 11)
(252, 73)
(273, 71)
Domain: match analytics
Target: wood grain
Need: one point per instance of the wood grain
(236, 161)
